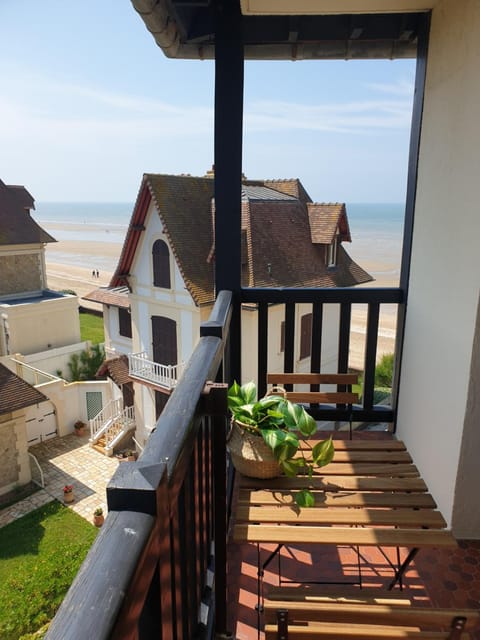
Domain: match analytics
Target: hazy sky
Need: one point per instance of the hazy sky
(88, 103)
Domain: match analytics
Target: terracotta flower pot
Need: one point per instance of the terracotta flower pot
(68, 496)
(98, 520)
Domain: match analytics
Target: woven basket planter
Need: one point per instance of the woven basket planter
(251, 456)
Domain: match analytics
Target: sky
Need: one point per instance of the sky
(88, 103)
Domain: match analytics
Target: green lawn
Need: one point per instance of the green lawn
(39, 557)
(91, 328)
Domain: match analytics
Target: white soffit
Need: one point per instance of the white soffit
(323, 7)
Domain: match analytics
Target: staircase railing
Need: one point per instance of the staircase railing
(109, 411)
(164, 375)
(126, 419)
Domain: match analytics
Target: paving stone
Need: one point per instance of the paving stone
(67, 461)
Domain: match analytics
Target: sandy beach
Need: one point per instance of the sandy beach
(66, 260)
(66, 269)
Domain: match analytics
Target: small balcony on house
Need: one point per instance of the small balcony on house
(144, 370)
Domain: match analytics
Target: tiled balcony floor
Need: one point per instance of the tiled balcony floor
(438, 577)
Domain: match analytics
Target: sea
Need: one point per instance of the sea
(376, 228)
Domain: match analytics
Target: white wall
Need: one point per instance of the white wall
(276, 314)
(69, 400)
(147, 300)
(47, 323)
(445, 266)
(54, 360)
(113, 340)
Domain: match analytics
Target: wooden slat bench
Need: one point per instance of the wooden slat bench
(342, 397)
(298, 613)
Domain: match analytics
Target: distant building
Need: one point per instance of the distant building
(163, 287)
(32, 318)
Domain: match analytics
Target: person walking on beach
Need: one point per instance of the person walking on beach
(98, 275)
(93, 273)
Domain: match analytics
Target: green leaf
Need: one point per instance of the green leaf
(291, 467)
(323, 452)
(306, 424)
(249, 392)
(285, 451)
(304, 498)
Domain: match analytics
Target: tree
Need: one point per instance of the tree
(84, 366)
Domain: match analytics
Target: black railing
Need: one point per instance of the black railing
(158, 566)
(319, 300)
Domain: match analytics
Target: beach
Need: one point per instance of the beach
(82, 248)
(67, 261)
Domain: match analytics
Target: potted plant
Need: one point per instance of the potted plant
(128, 455)
(98, 517)
(68, 493)
(79, 428)
(264, 440)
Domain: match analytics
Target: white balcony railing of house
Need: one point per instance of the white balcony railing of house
(163, 375)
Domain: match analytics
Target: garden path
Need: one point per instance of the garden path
(67, 461)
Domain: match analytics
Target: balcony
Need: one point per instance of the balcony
(169, 514)
(149, 372)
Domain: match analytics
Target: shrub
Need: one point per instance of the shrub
(384, 371)
(85, 365)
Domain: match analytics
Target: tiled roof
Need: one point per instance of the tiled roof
(15, 393)
(23, 195)
(117, 369)
(281, 253)
(114, 296)
(16, 224)
(278, 246)
(324, 221)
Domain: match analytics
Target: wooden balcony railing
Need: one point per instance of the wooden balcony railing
(158, 566)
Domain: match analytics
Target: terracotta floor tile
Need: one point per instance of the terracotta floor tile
(436, 577)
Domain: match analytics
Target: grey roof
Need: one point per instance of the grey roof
(250, 192)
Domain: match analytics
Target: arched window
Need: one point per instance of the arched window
(161, 264)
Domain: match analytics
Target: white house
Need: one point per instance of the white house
(32, 317)
(163, 287)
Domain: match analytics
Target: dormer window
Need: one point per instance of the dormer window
(161, 264)
(332, 253)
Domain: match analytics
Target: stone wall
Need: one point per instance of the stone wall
(20, 273)
(9, 467)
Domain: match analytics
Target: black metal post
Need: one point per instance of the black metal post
(228, 161)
